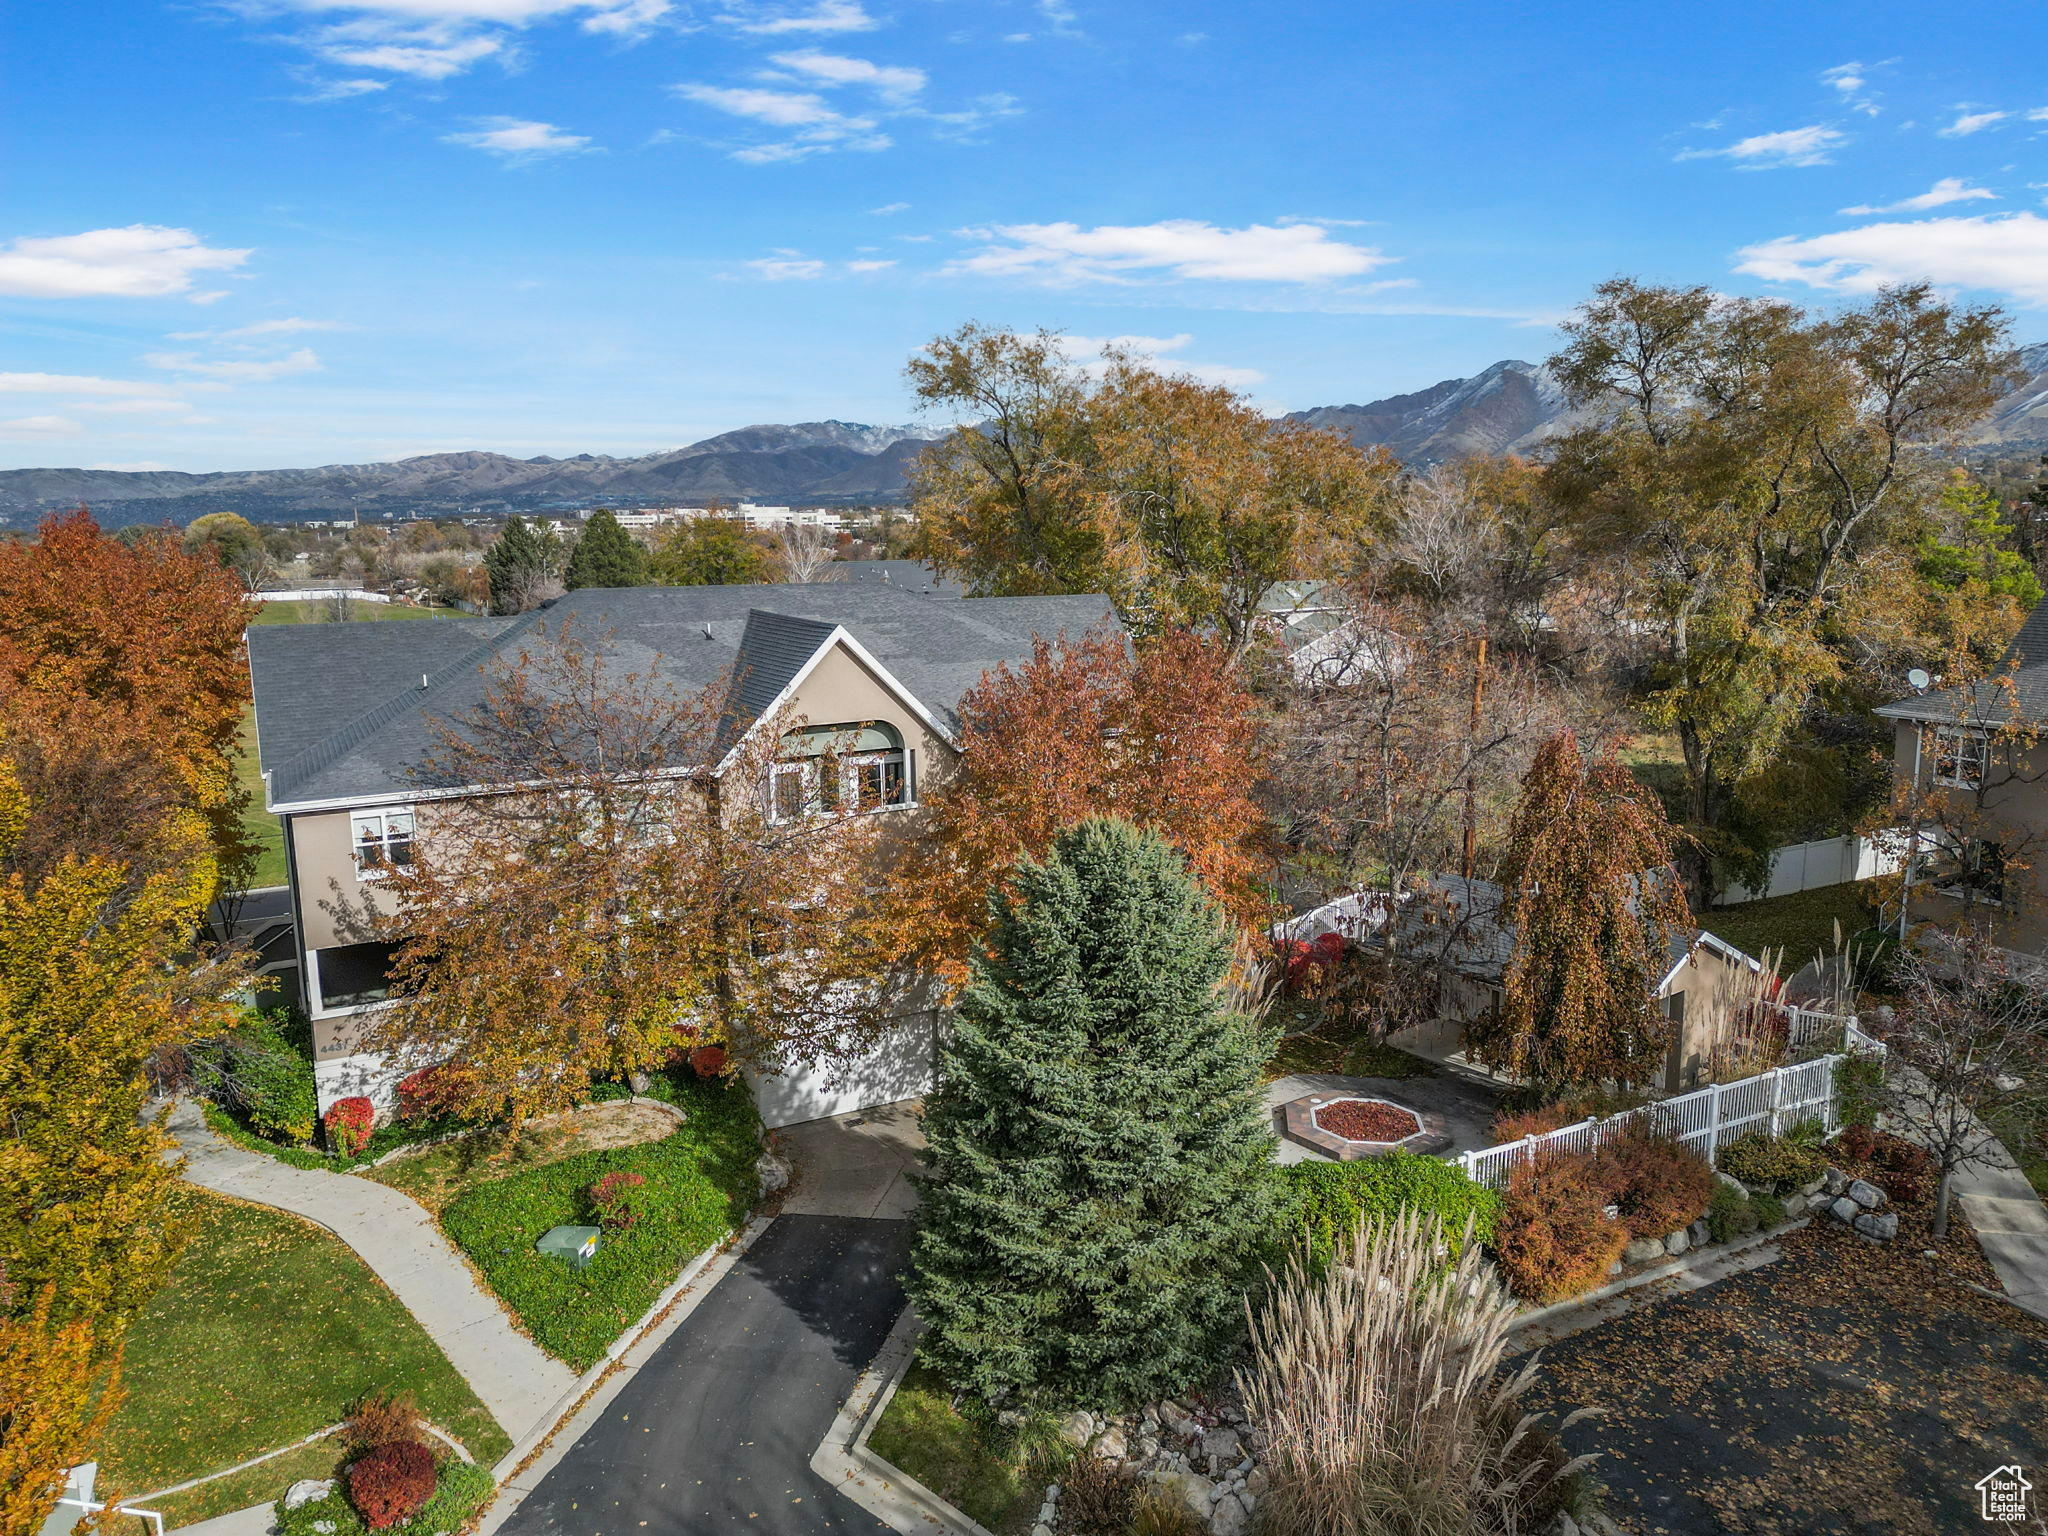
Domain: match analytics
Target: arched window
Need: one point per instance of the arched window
(846, 769)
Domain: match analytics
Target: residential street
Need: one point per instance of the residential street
(716, 1432)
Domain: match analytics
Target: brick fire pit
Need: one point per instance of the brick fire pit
(1349, 1126)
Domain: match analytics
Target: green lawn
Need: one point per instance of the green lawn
(974, 1467)
(258, 823)
(700, 1185)
(1802, 924)
(269, 1329)
(316, 612)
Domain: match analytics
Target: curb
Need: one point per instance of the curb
(884, 1490)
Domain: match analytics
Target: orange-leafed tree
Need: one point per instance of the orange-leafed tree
(53, 1404)
(1163, 736)
(147, 629)
(620, 891)
(1594, 904)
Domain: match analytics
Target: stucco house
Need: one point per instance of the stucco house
(344, 711)
(1974, 760)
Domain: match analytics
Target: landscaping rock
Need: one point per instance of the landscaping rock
(1078, 1428)
(1148, 1447)
(772, 1171)
(1869, 1196)
(1883, 1228)
(1845, 1209)
(1810, 1190)
(1564, 1525)
(307, 1490)
(1110, 1444)
(1795, 1207)
(1194, 1489)
(1041, 1529)
(1700, 1233)
(1229, 1518)
(1222, 1447)
(1642, 1250)
(1678, 1242)
(1255, 1481)
(1834, 1181)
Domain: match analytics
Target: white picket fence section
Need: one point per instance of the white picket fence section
(1827, 861)
(1705, 1121)
(1809, 1027)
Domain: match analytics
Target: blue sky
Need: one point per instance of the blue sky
(255, 233)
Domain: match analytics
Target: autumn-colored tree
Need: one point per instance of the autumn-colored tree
(233, 541)
(53, 1404)
(147, 629)
(1162, 736)
(598, 866)
(1594, 906)
(709, 551)
(1762, 466)
(1181, 500)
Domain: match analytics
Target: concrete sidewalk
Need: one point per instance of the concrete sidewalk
(516, 1379)
(2012, 1229)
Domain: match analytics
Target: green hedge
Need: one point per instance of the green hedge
(700, 1184)
(1776, 1164)
(1329, 1199)
(458, 1490)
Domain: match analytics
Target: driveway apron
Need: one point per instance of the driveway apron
(715, 1432)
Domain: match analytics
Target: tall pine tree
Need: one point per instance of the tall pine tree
(524, 563)
(1099, 1157)
(606, 555)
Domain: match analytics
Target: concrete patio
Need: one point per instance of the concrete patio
(855, 1165)
(1463, 1101)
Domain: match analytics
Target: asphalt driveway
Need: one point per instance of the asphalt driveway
(715, 1432)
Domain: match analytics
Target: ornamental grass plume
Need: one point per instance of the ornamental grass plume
(1377, 1384)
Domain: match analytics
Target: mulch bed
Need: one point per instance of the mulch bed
(1850, 1388)
(1362, 1120)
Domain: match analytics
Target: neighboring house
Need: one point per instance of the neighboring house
(343, 711)
(1456, 926)
(1975, 764)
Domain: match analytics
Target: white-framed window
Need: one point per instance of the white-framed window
(840, 770)
(1961, 754)
(381, 840)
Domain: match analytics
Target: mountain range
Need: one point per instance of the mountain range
(1511, 406)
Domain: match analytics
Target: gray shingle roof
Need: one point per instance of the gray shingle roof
(341, 713)
(2017, 687)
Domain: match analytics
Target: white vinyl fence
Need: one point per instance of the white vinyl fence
(1705, 1121)
(1830, 861)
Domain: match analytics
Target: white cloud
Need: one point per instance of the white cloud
(1771, 151)
(1848, 81)
(41, 426)
(151, 407)
(819, 128)
(238, 371)
(892, 82)
(1153, 349)
(1950, 189)
(423, 60)
(889, 208)
(787, 269)
(1971, 122)
(825, 16)
(868, 266)
(2001, 253)
(515, 138)
(142, 261)
(343, 90)
(1171, 248)
(78, 384)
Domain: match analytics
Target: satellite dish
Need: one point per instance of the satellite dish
(1918, 678)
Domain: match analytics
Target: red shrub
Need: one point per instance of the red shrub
(1307, 962)
(1899, 1167)
(389, 1484)
(1656, 1182)
(708, 1060)
(612, 1195)
(1552, 1237)
(424, 1092)
(381, 1418)
(348, 1124)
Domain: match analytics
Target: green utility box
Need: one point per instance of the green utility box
(578, 1245)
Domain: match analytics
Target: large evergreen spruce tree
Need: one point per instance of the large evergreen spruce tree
(606, 556)
(1100, 1173)
(522, 562)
